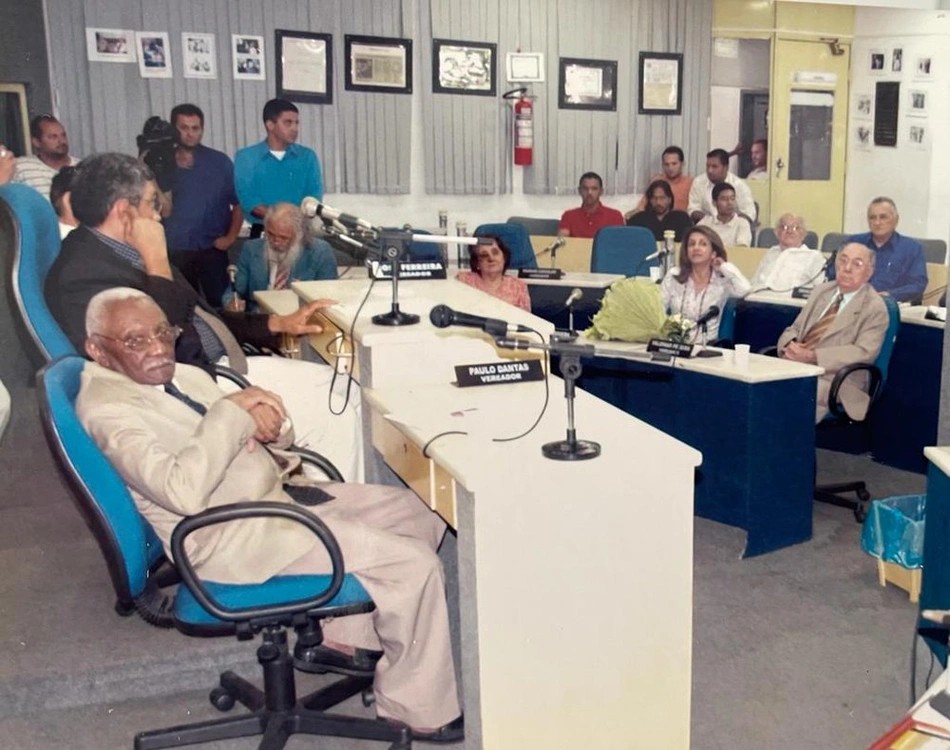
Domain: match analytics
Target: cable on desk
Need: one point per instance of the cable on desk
(349, 375)
(547, 396)
(431, 440)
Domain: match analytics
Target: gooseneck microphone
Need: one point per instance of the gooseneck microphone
(658, 254)
(711, 313)
(443, 316)
(575, 296)
(312, 207)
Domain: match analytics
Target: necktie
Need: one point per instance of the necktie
(172, 390)
(818, 331)
(280, 280)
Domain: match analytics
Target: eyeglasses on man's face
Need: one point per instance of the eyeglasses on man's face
(139, 343)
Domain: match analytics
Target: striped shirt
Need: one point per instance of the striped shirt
(30, 170)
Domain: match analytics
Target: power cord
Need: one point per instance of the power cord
(349, 379)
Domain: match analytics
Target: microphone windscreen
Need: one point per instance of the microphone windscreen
(441, 316)
(309, 206)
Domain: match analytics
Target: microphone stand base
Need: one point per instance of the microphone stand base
(395, 317)
(567, 450)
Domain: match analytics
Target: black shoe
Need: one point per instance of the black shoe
(454, 731)
(321, 659)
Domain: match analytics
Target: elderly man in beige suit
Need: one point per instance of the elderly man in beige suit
(844, 322)
(183, 446)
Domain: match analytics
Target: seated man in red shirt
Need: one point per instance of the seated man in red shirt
(592, 214)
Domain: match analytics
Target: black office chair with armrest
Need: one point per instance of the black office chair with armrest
(935, 251)
(133, 552)
(540, 227)
(838, 419)
(832, 242)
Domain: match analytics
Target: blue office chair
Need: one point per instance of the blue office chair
(541, 227)
(767, 238)
(516, 239)
(205, 608)
(623, 250)
(838, 419)
(35, 246)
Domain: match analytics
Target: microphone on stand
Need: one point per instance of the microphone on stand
(312, 207)
(658, 254)
(443, 316)
(711, 313)
(575, 296)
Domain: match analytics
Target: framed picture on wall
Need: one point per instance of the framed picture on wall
(198, 59)
(379, 64)
(862, 107)
(110, 45)
(587, 84)
(897, 60)
(304, 66)
(876, 58)
(525, 67)
(923, 70)
(661, 81)
(463, 67)
(247, 57)
(917, 137)
(154, 54)
(916, 103)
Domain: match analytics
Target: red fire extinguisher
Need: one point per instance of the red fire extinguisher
(524, 131)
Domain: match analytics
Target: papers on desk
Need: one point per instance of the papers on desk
(936, 313)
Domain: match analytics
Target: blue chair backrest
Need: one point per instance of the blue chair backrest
(883, 360)
(126, 540)
(516, 239)
(35, 246)
(623, 250)
(727, 320)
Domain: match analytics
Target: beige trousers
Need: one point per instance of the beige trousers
(389, 541)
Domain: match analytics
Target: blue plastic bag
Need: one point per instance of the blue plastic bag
(894, 530)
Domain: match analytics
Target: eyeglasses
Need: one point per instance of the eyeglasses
(857, 264)
(789, 228)
(165, 334)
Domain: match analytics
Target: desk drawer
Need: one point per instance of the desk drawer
(425, 477)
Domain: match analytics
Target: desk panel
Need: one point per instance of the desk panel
(757, 441)
(935, 586)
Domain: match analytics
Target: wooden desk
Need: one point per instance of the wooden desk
(574, 256)
(551, 555)
(754, 427)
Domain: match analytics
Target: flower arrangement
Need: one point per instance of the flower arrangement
(632, 310)
(678, 329)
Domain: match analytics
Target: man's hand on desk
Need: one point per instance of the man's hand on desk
(298, 323)
(798, 353)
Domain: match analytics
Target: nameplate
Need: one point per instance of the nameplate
(427, 269)
(668, 348)
(495, 373)
(540, 273)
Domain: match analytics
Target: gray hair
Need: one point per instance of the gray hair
(98, 309)
(800, 220)
(103, 179)
(289, 214)
(884, 199)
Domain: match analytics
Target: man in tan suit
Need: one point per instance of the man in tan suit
(182, 451)
(844, 322)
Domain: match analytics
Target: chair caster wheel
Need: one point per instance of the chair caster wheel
(221, 699)
(368, 696)
(860, 512)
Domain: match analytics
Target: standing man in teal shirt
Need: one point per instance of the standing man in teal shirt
(277, 169)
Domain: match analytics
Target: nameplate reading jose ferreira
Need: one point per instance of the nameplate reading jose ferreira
(495, 373)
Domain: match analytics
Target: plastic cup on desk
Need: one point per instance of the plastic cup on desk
(741, 356)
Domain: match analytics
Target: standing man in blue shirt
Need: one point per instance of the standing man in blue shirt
(205, 218)
(277, 169)
(900, 270)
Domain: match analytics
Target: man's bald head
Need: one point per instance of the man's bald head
(854, 266)
(790, 230)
